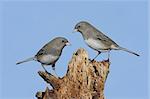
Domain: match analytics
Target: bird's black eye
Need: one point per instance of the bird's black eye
(79, 26)
(63, 41)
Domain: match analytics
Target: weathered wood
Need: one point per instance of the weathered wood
(84, 79)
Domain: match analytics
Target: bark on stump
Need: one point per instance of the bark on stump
(84, 79)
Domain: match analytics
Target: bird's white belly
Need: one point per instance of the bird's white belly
(97, 45)
(48, 59)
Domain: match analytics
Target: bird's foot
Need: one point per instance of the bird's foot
(55, 74)
(107, 60)
(91, 60)
(47, 72)
(52, 74)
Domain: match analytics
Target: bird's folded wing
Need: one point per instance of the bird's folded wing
(105, 39)
(46, 50)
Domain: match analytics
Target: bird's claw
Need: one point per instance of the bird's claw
(107, 60)
(47, 72)
(91, 60)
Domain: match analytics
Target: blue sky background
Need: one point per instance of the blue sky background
(26, 26)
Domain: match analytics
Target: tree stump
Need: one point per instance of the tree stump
(84, 79)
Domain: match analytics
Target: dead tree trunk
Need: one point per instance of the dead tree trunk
(84, 79)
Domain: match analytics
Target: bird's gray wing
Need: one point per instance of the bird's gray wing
(105, 39)
(47, 49)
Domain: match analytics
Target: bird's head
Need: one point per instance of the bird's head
(61, 41)
(82, 27)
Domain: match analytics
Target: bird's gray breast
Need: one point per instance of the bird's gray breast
(96, 44)
(48, 59)
(48, 55)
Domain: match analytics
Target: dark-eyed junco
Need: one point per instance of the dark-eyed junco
(49, 53)
(97, 40)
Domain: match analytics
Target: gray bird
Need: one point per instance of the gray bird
(49, 53)
(97, 40)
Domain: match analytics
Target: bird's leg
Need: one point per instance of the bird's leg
(44, 68)
(108, 55)
(53, 67)
(96, 56)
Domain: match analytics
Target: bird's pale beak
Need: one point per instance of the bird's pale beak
(68, 44)
(75, 30)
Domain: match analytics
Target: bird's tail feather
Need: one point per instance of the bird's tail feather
(26, 60)
(124, 49)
